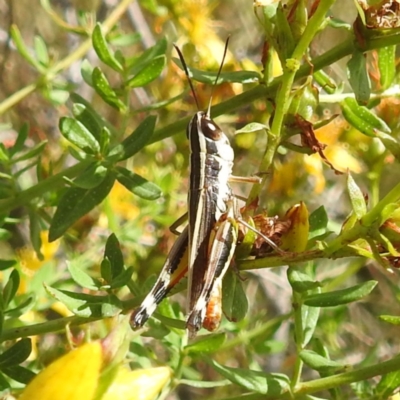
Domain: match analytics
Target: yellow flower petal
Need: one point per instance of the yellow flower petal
(73, 376)
(142, 384)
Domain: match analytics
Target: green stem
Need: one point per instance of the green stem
(349, 377)
(47, 185)
(299, 337)
(392, 197)
(52, 72)
(283, 97)
(45, 327)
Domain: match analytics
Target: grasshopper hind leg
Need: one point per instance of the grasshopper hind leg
(174, 269)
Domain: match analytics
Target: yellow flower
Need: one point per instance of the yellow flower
(142, 384)
(73, 376)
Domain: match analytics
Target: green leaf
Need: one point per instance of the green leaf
(41, 50)
(35, 228)
(75, 203)
(391, 319)
(325, 81)
(100, 121)
(284, 35)
(300, 280)
(21, 138)
(138, 185)
(318, 223)
(57, 96)
(82, 278)
(387, 385)
(256, 381)
(234, 300)
(339, 297)
(87, 72)
(104, 90)
(24, 305)
(6, 264)
(16, 354)
(31, 153)
(103, 50)
(91, 177)
(358, 77)
(356, 197)
(206, 344)
(319, 363)
(85, 116)
(23, 50)
(363, 119)
(113, 254)
(19, 374)
(310, 316)
(4, 383)
(209, 77)
(123, 278)
(252, 127)
(123, 40)
(150, 71)
(105, 270)
(135, 141)
(11, 287)
(204, 384)
(137, 63)
(77, 306)
(387, 65)
(79, 135)
(105, 138)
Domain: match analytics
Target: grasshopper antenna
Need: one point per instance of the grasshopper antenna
(218, 74)
(185, 68)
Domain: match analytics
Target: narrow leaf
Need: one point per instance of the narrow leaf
(79, 135)
(103, 50)
(85, 116)
(135, 141)
(123, 278)
(339, 297)
(41, 50)
(114, 255)
(138, 185)
(207, 344)
(16, 354)
(91, 177)
(19, 374)
(318, 222)
(149, 72)
(104, 90)
(11, 287)
(78, 307)
(356, 197)
(256, 381)
(319, 363)
(224, 77)
(300, 280)
(22, 49)
(234, 299)
(137, 62)
(387, 65)
(6, 264)
(75, 203)
(81, 277)
(362, 118)
(358, 76)
(21, 138)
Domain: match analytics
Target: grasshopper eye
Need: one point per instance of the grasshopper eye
(210, 129)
